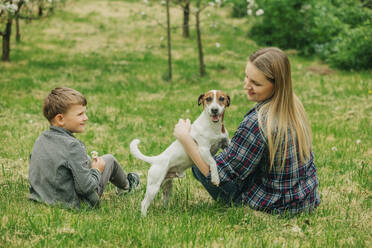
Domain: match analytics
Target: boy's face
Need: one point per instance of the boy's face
(74, 119)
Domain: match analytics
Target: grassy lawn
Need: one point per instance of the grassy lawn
(117, 58)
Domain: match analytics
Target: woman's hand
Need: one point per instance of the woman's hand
(182, 129)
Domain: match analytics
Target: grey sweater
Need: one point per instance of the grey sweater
(60, 170)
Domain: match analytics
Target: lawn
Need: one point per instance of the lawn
(114, 52)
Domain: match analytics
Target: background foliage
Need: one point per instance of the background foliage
(338, 31)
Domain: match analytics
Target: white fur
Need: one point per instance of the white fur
(174, 160)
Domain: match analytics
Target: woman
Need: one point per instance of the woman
(269, 164)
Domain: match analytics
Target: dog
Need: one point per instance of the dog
(209, 133)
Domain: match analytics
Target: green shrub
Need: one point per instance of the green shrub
(239, 8)
(352, 49)
(280, 24)
(322, 27)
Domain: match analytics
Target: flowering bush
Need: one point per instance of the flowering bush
(280, 24)
(8, 7)
(321, 27)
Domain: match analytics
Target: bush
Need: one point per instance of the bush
(316, 27)
(239, 8)
(353, 49)
(280, 24)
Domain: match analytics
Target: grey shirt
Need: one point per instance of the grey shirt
(60, 170)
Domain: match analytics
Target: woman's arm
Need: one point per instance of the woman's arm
(182, 133)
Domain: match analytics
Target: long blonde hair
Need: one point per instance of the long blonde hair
(284, 113)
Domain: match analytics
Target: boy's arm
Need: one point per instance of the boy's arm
(86, 180)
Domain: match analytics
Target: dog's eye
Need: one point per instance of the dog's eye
(208, 99)
(222, 98)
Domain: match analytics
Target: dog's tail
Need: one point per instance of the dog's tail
(137, 153)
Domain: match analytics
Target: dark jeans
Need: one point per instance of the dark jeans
(228, 193)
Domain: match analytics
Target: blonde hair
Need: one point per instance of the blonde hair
(284, 113)
(59, 100)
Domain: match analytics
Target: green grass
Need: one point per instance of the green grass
(114, 56)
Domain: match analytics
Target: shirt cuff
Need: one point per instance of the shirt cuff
(96, 170)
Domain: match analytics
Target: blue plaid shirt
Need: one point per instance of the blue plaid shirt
(292, 188)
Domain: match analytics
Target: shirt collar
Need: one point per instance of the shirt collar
(61, 130)
(260, 104)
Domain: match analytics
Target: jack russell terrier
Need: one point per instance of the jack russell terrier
(209, 133)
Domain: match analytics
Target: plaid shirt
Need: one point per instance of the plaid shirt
(246, 162)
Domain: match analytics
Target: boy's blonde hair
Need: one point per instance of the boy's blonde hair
(59, 100)
(284, 112)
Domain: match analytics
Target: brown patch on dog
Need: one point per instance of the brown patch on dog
(221, 97)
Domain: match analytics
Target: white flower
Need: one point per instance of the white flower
(249, 12)
(259, 12)
(218, 45)
(218, 2)
(211, 4)
(334, 149)
(250, 4)
(143, 13)
(12, 8)
(187, 110)
(30, 121)
(146, 1)
(94, 154)
(163, 2)
(358, 141)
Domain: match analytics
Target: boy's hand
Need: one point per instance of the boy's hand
(99, 164)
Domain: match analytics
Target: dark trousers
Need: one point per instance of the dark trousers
(228, 193)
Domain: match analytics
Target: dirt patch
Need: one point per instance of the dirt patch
(320, 69)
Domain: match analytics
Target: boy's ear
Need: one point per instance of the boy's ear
(58, 120)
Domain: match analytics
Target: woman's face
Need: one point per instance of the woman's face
(256, 84)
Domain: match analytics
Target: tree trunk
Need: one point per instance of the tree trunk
(40, 13)
(200, 47)
(6, 40)
(18, 30)
(186, 18)
(169, 44)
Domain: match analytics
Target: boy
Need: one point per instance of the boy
(60, 171)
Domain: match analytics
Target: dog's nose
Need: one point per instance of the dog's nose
(214, 111)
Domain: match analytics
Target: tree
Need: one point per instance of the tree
(199, 40)
(9, 9)
(169, 42)
(185, 5)
(200, 6)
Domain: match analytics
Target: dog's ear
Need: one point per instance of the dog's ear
(228, 101)
(200, 99)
